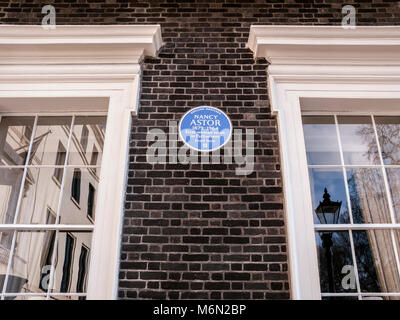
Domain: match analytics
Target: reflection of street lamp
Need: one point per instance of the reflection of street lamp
(328, 213)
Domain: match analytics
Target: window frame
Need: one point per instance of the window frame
(83, 277)
(60, 159)
(320, 63)
(351, 226)
(67, 274)
(61, 70)
(91, 215)
(76, 186)
(84, 138)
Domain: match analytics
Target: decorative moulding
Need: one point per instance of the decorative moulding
(327, 45)
(76, 53)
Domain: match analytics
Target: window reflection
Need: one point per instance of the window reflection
(393, 175)
(358, 140)
(41, 194)
(46, 190)
(333, 181)
(15, 135)
(78, 201)
(373, 249)
(376, 262)
(10, 185)
(72, 266)
(88, 140)
(388, 129)
(368, 196)
(28, 274)
(333, 259)
(50, 132)
(321, 140)
(31, 262)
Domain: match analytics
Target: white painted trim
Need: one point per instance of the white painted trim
(326, 45)
(52, 73)
(319, 63)
(77, 53)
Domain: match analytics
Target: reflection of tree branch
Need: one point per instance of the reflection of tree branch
(389, 140)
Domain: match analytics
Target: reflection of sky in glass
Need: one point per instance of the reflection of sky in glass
(358, 140)
(321, 140)
(333, 181)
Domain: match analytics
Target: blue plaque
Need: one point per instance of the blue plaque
(205, 128)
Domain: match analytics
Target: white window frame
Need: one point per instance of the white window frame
(100, 65)
(321, 69)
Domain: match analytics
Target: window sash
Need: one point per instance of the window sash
(14, 227)
(392, 226)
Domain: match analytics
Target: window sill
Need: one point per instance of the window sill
(75, 202)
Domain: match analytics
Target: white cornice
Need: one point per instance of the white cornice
(78, 54)
(78, 44)
(326, 45)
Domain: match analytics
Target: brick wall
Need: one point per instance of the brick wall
(200, 231)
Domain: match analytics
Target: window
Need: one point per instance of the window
(29, 196)
(82, 273)
(91, 201)
(84, 137)
(48, 247)
(76, 185)
(60, 161)
(85, 89)
(95, 156)
(354, 175)
(68, 261)
(28, 133)
(319, 71)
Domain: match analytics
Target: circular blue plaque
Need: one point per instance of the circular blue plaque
(205, 128)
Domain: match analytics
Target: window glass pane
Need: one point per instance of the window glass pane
(14, 139)
(76, 186)
(65, 297)
(50, 131)
(91, 201)
(335, 262)
(368, 196)
(60, 161)
(393, 175)
(82, 272)
(71, 211)
(340, 298)
(5, 239)
(321, 140)
(84, 137)
(26, 297)
(10, 185)
(358, 140)
(29, 272)
(41, 195)
(94, 157)
(376, 262)
(333, 181)
(388, 129)
(380, 298)
(88, 137)
(68, 263)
